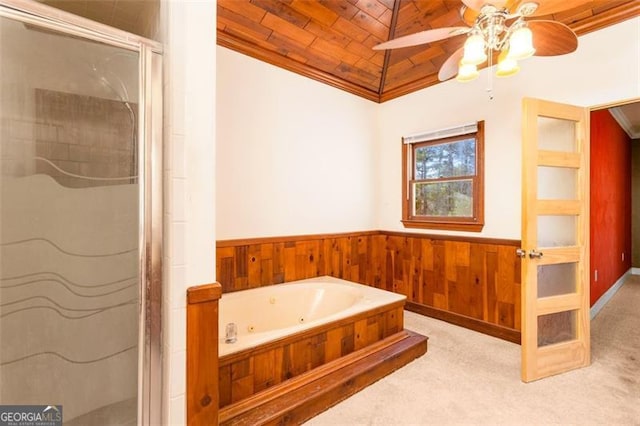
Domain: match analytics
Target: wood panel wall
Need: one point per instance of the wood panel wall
(474, 282)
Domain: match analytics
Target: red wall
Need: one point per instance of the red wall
(610, 202)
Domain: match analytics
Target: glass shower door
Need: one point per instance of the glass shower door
(69, 225)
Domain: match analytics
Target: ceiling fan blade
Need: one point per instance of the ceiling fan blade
(422, 37)
(450, 67)
(552, 38)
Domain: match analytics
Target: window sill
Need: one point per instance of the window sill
(449, 226)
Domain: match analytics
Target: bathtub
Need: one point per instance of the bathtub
(285, 331)
(270, 313)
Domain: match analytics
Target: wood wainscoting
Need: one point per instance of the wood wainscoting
(468, 281)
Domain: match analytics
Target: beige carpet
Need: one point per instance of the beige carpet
(470, 378)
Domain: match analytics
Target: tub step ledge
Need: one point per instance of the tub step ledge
(309, 394)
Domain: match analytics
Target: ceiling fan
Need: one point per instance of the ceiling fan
(497, 27)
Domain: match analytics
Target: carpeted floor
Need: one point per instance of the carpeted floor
(470, 378)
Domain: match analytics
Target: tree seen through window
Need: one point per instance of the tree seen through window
(448, 198)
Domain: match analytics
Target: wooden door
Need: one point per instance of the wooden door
(555, 239)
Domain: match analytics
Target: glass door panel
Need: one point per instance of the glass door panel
(556, 134)
(556, 279)
(556, 328)
(556, 231)
(69, 225)
(556, 183)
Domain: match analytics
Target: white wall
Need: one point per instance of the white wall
(190, 163)
(294, 156)
(605, 68)
(298, 157)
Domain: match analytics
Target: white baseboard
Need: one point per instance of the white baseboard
(604, 299)
(635, 271)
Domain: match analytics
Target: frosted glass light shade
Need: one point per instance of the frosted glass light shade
(467, 72)
(506, 65)
(474, 53)
(521, 44)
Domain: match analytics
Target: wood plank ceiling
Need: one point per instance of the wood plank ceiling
(331, 40)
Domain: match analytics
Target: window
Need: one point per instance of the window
(443, 179)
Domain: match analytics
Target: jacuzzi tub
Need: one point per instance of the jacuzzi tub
(269, 313)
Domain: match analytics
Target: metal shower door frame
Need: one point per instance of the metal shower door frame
(150, 202)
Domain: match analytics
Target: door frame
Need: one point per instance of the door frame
(598, 107)
(614, 104)
(150, 199)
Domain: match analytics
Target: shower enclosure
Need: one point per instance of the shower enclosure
(80, 217)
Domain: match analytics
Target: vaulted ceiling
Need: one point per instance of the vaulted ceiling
(331, 40)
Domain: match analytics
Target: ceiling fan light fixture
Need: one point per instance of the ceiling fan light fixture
(474, 50)
(467, 72)
(521, 44)
(506, 66)
(495, 27)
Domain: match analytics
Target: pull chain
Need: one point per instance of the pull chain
(490, 75)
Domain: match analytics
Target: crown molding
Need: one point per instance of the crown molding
(623, 121)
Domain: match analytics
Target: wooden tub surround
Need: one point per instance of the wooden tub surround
(293, 378)
(306, 395)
